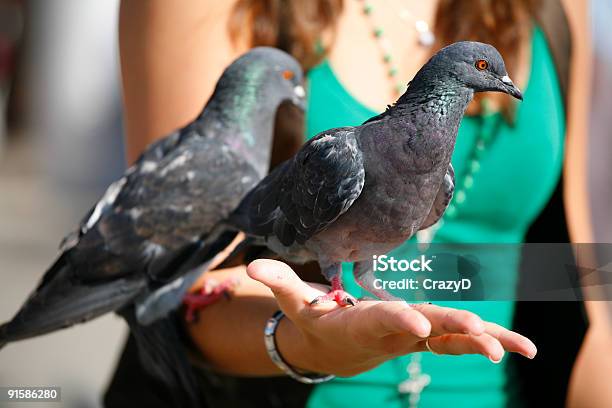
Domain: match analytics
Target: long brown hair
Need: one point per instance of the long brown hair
(305, 28)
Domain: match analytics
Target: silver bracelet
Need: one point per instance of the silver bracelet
(270, 342)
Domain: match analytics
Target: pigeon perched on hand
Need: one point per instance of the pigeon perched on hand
(354, 192)
(151, 224)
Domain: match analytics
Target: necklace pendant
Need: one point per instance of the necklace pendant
(416, 382)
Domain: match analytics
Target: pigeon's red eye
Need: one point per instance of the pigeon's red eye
(288, 75)
(481, 65)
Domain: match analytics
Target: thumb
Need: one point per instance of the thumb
(293, 294)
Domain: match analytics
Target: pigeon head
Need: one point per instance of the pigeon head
(475, 65)
(285, 78)
(253, 93)
(263, 77)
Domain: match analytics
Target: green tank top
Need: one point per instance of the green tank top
(517, 175)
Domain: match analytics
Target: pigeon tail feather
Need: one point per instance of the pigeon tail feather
(2, 335)
(59, 302)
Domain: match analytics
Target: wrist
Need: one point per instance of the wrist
(294, 348)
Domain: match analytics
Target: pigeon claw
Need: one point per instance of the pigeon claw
(339, 296)
(210, 293)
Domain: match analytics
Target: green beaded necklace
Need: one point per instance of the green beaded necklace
(425, 39)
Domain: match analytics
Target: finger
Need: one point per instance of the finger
(512, 341)
(458, 344)
(392, 317)
(446, 320)
(293, 294)
(398, 317)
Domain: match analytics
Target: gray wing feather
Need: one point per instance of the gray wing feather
(180, 187)
(306, 194)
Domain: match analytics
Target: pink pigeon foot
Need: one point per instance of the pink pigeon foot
(337, 294)
(210, 293)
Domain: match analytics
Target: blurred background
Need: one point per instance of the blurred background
(61, 144)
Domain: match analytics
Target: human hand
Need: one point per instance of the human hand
(345, 341)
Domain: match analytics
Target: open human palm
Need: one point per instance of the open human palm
(349, 340)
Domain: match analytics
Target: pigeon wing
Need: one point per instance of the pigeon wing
(325, 178)
(178, 190)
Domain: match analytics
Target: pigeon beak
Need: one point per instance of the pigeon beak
(510, 88)
(299, 97)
